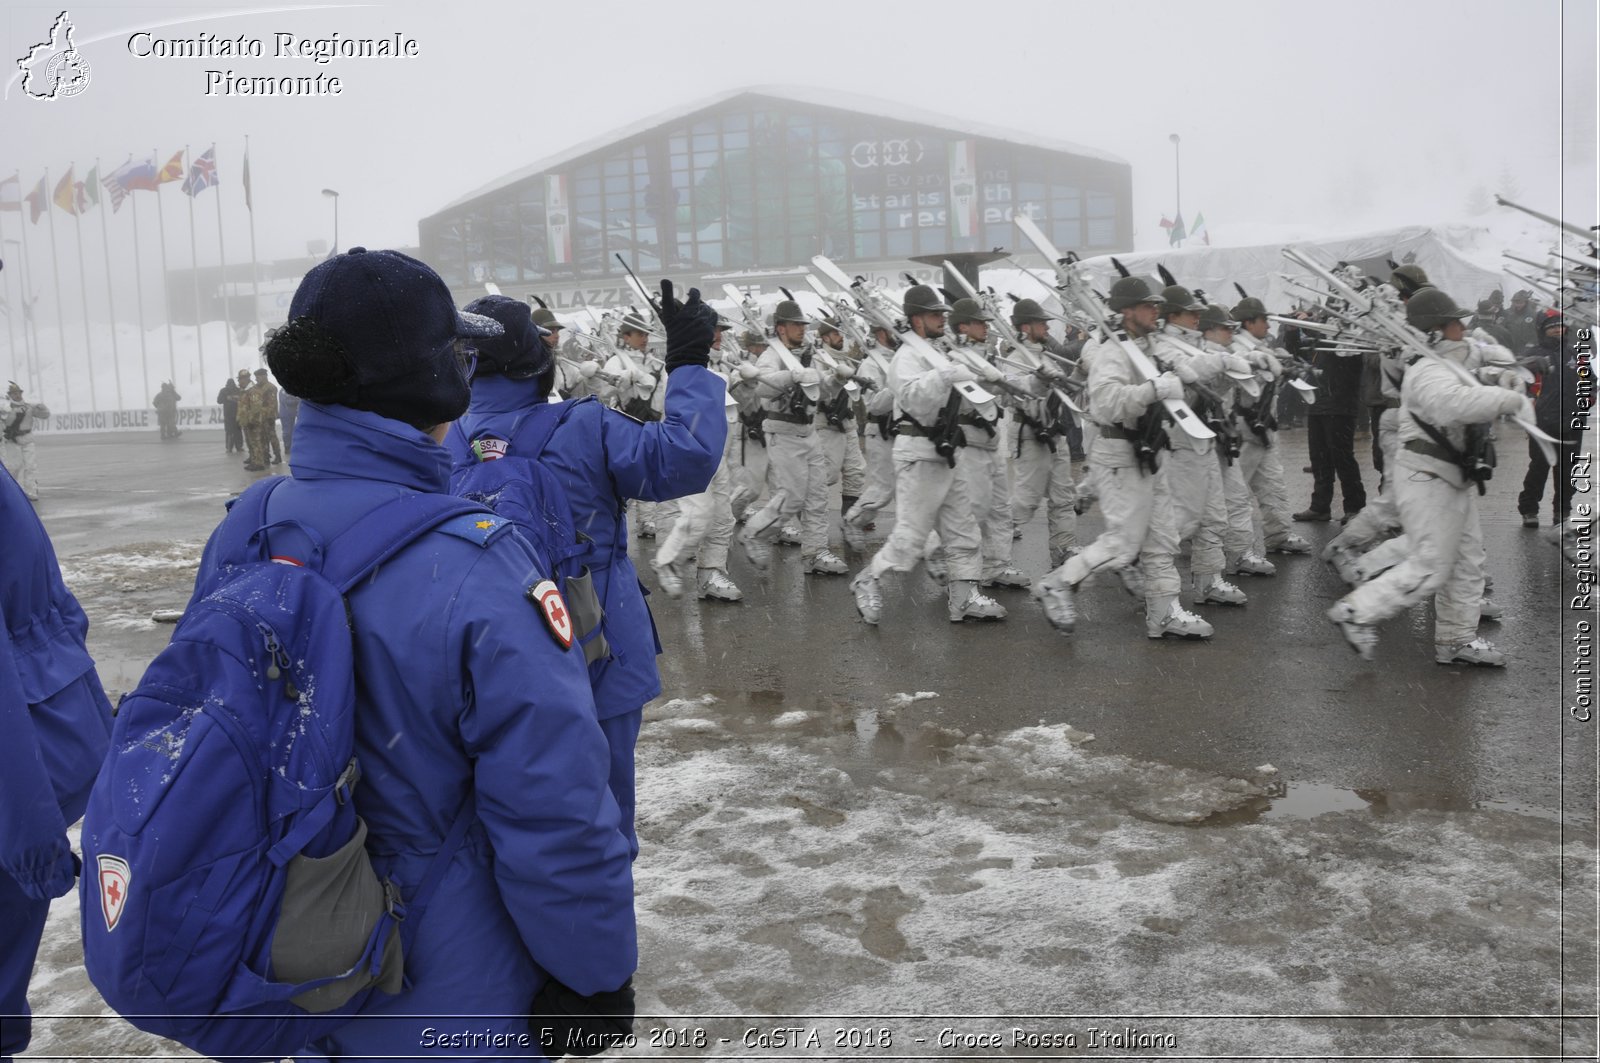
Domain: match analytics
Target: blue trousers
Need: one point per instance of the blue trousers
(21, 928)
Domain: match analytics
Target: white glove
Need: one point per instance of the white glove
(1168, 386)
(587, 370)
(808, 378)
(1185, 372)
(1515, 405)
(844, 370)
(625, 377)
(644, 381)
(1235, 364)
(1514, 380)
(957, 374)
(748, 371)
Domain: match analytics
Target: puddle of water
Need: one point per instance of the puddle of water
(1307, 800)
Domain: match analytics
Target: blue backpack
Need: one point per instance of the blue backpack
(519, 488)
(227, 901)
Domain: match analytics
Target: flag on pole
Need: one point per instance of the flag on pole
(1166, 222)
(65, 197)
(246, 180)
(11, 193)
(1199, 230)
(1176, 233)
(80, 197)
(91, 187)
(202, 175)
(137, 176)
(38, 201)
(173, 170)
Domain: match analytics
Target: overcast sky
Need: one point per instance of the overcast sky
(1338, 115)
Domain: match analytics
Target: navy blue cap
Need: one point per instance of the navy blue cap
(520, 351)
(394, 322)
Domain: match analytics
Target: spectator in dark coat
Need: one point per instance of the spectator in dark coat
(1331, 429)
(1556, 409)
(1520, 320)
(232, 434)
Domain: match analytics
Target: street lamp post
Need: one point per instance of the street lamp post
(1177, 173)
(335, 197)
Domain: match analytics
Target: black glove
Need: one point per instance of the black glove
(690, 327)
(566, 1023)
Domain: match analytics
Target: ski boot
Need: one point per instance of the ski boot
(1479, 651)
(1489, 610)
(1363, 638)
(968, 603)
(855, 537)
(714, 583)
(1289, 544)
(824, 563)
(1055, 595)
(868, 593)
(668, 577)
(789, 535)
(1009, 576)
(1178, 623)
(1253, 565)
(757, 551)
(1219, 592)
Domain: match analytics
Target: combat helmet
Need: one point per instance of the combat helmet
(1409, 279)
(1028, 310)
(1430, 309)
(922, 299)
(966, 311)
(789, 312)
(1248, 308)
(1214, 316)
(1131, 291)
(1175, 299)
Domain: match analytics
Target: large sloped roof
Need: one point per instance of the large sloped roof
(815, 97)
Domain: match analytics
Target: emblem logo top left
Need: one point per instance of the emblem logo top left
(54, 69)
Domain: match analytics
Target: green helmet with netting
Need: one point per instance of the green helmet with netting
(1214, 316)
(1409, 279)
(966, 311)
(1431, 309)
(1131, 291)
(921, 299)
(1249, 307)
(1028, 310)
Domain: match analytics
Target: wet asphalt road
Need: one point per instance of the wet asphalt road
(1276, 685)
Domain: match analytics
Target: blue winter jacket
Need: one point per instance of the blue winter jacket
(55, 722)
(603, 458)
(462, 688)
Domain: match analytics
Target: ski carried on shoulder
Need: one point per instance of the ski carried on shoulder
(1002, 326)
(752, 320)
(875, 310)
(1073, 287)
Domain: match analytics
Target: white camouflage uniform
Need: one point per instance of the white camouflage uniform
(19, 453)
(1041, 466)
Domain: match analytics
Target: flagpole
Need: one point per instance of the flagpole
(111, 301)
(166, 282)
(30, 327)
(255, 270)
(83, 290)
(55, 271)
(227, 315)
(138, 288)
(11, 324)
(194, 258)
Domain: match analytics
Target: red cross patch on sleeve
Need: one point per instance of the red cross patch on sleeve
(553, 608)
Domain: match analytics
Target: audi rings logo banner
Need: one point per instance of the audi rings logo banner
(54, 69)
(871, 154)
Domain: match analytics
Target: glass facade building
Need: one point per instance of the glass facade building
(763, 180)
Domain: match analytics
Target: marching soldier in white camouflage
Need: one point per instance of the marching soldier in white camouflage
(1443, 422)
(1260, 457)
(1191, 470)
(872, 373)
(1041, 456)
(17, 419)
(797, 468)
(1139, 520)
(837, 428)
(932, 490)
(1238, 537)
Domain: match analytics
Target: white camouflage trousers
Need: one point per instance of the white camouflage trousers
(1038, 476)
(23, 462)
(878, 490)
(931, 496)
(991, 505)
(1261, 467)
(705, 524)
(1139, 527)
(797, 472)
(1199, 511)
(846, 466)
(1446, 558)
(1381, 516)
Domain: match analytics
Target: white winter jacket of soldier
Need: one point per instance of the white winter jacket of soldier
(873, 375)
(1118, 397)
(789, 410)
(977, 435)
(1206, 369)
(1438, 396)
(921, 392)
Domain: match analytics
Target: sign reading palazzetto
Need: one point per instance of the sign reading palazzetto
(137, 420)
(319, 50)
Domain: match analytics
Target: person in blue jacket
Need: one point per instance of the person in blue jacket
(603, 458)
(462, 691)
(55, 725)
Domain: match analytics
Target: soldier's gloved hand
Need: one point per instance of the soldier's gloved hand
(1235, 365)
(587, 370)
(1185, 372)
(748, 371)
(1514, 380)
(989, 374)
(1515, 405)
(644, 381)
(570, 1024)
(808, 378)
(844, 371)
(690, 328)
(1168, 386)
(957, 374)
(625, 377)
